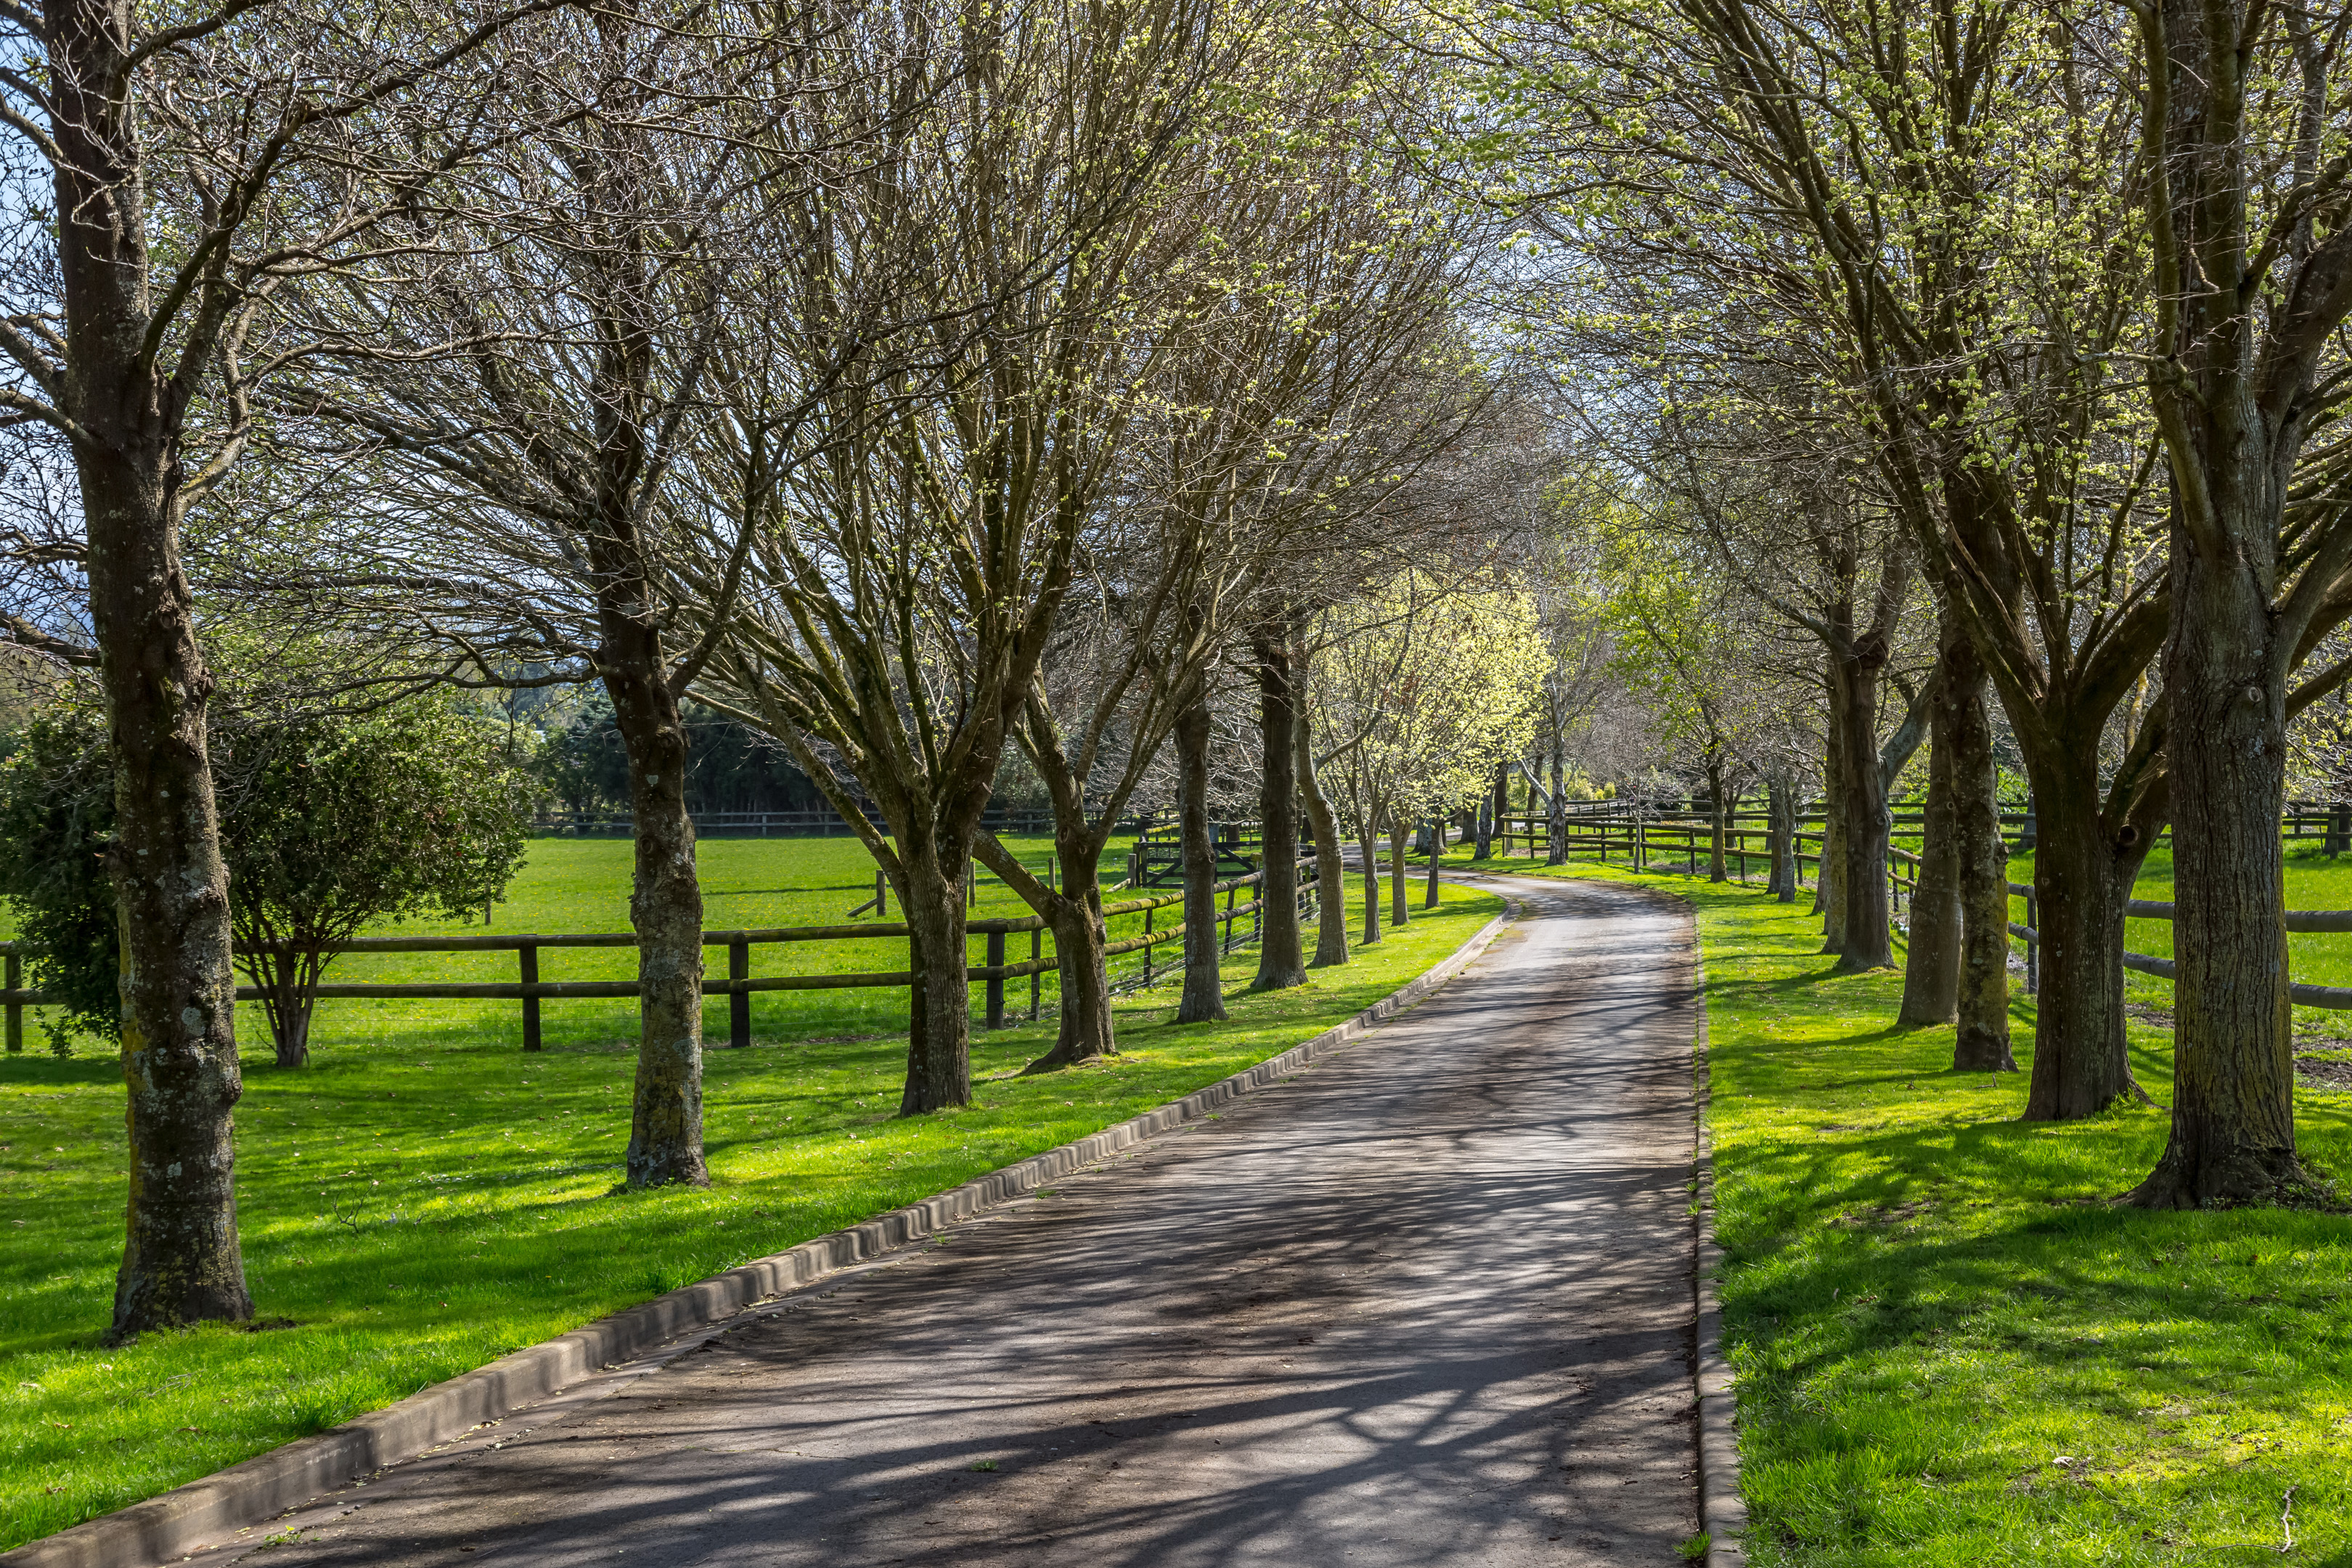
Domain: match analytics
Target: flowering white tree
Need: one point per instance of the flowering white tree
(1418, 692)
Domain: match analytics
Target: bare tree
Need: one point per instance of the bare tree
(903, 587)
(196, 163)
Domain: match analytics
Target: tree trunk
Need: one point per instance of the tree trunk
(665, 906)
(1866, 936)
(1400, 907)
(1484, 847)
(1981, 1042)
(181, 1261)
(1280, 963)
(1330, 863)
(1436, 859)
(1204, 999)
(1781, 835)
(2080, 880)
(2232, 1139)
(938, 1035)
(290, 979)
(1931, 964)
(1715, 825)
(1556, 822)
(1829, 865)
(1369, 847)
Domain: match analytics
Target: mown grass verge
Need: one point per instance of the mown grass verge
(425, 1198)
(1951, 1346)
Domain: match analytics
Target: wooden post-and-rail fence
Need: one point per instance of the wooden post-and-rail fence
(740, 984)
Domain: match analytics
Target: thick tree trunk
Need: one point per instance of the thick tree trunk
(1280, 963)
(1204, 999)
(939, 1037)
(1400, 908)
(1717, 823)
(664, 908)
(1484, 849)
(1931, 962)
(1829, 865)
(1781, 835)
(2082, 878)
(2232, 1139)
(1556, 823)
(1866, 937)
(1981, 1041)
(1369, 847)
(181, 1262)
(1330, 863)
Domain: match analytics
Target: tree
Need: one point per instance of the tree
(1419, 691)
(196, 160)
(57, 826)
(330, 822)
(2246, 142)
(1942, 257)
(1031, 224)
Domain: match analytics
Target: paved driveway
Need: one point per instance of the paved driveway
(1427, 1302)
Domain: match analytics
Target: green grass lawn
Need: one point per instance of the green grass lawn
(576, 885)
(1952, 1348)
(424, 1197)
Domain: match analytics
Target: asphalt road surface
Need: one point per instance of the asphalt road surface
(1427, 1302)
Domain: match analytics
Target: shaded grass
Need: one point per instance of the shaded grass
(1929, 1304)
(425, 1198)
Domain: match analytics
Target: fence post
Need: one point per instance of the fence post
(1639, 844)
(1227, 946)
(739, 1003)
(1147, 912)
(881, 894)
(15, 1008)
(996, 982)
(530, 956)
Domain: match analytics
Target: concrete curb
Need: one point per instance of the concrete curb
(267, 1485)
(1722, 1511)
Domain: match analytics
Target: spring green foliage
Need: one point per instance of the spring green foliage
(56, 818)
(429, 1198)
(1951, 1347)
(1418, 693)
(329, 823)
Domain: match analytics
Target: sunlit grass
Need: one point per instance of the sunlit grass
(425, 1197)
(1930, 1304)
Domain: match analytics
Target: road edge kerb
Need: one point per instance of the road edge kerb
(1722, 1509)
(172, 1523)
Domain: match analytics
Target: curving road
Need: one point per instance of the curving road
(1425, 1303)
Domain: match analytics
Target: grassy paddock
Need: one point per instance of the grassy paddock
(1930, 1305)
(425, 1197)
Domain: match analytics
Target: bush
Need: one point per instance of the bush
(56, 823)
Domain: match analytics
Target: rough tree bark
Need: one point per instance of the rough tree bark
(666, 896)
(1400, 909)
(1556, 821)
(928, 881)
(1866, 940)
(1780, 835)
(1330, 863)
(1716, 809)
(1368, 845)
(1931, 964)
(1204, 999)
(181, 1261)
(1981, 1041)
(1280, 963)
(2083, 871)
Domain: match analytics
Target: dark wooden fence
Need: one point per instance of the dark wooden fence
(740, 985)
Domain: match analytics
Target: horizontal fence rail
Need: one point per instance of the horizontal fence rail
(739, 986)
